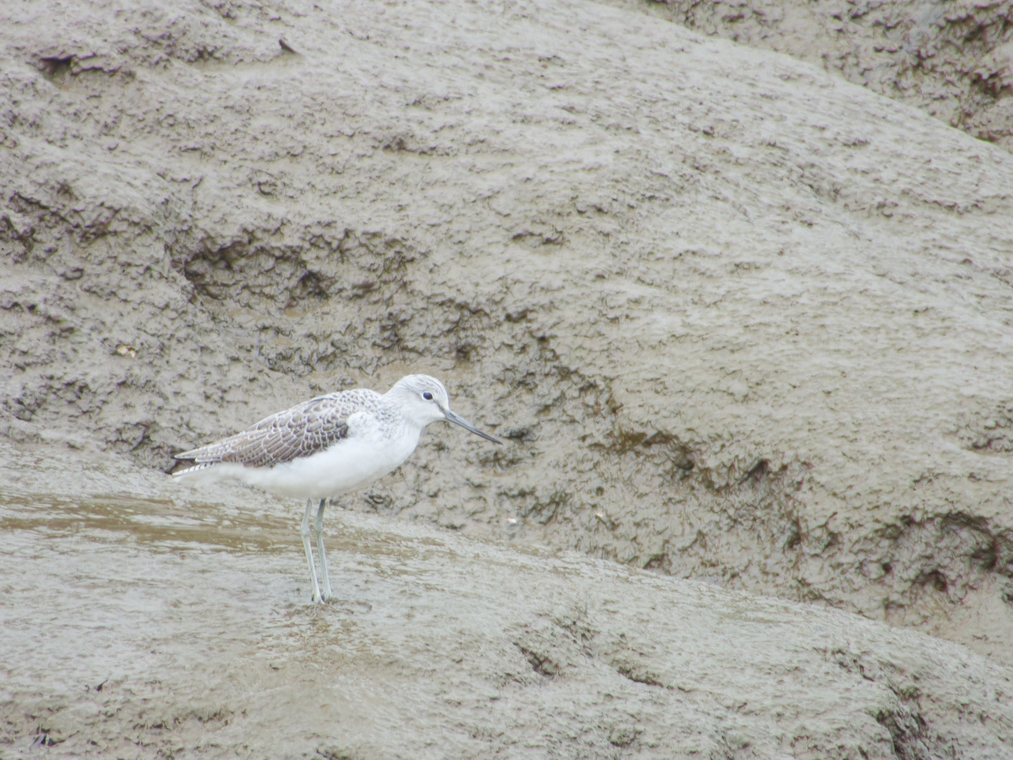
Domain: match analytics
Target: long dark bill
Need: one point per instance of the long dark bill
(458, 420)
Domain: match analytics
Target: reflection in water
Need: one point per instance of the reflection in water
(188, 617)
(146, 521)
(115, 589)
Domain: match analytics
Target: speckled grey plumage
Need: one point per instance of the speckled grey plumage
(301, 431)
(326, 447)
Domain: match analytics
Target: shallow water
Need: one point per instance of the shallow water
(123, 618)
(106, 590)
(149, 628)
(136, 625)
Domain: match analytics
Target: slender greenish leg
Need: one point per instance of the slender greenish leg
(323, 552)
(305, 531)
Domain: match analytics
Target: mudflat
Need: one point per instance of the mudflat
(743, 325)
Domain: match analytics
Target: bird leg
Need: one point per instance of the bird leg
(323, 553)
(306, 532)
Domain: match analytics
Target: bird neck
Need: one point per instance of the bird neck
(400, 409)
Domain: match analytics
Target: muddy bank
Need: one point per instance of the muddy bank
(154, 625)
(952, 60)
(741, 322)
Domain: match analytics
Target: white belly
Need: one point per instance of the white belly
(346, 466)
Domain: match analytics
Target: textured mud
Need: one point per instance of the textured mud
(152, 626)
(740, 321)
(952, 60)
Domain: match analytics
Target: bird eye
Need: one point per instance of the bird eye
(427, 396)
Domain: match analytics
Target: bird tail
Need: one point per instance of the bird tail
(189, 467)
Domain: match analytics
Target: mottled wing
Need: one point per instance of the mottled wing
(298, 432)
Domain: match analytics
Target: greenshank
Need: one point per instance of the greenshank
(325, 447)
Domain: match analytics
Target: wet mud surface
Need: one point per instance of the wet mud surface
(146, 628)
(737, 319)
(744, 327)
(954, 62)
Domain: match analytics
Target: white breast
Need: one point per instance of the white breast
(348, 465)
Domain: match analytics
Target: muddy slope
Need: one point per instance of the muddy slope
(952, 60)
(739, 321)
(152, 626)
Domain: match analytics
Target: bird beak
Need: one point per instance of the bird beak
(458, 420)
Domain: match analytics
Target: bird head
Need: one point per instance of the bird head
(424, 400)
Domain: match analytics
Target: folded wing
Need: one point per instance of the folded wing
(298, 432)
